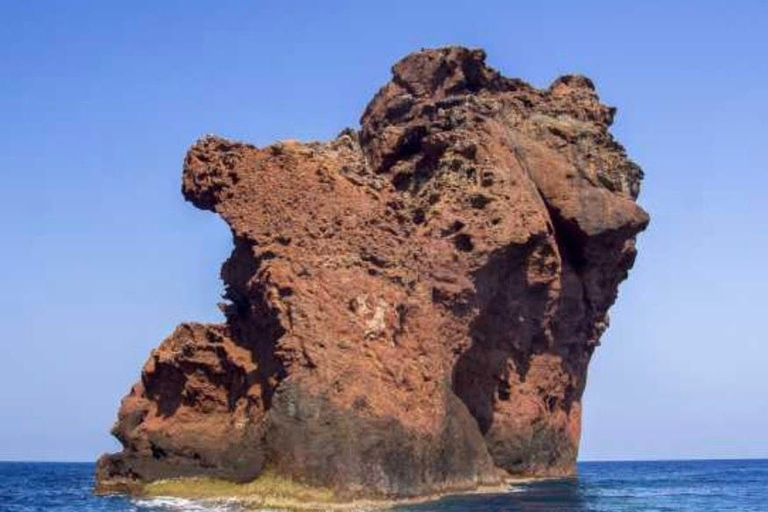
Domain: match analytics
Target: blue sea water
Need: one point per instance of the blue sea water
(679, 486)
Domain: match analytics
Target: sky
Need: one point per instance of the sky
(101, 257)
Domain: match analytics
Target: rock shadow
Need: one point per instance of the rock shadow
(505, 332)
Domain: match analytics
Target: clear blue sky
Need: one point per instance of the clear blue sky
(101, 257)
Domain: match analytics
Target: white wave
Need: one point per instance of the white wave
(186, 505)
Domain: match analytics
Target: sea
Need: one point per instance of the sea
(664, 486)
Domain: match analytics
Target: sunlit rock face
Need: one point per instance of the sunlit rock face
(411, 307)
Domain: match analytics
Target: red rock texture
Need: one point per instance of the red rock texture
(410, 308)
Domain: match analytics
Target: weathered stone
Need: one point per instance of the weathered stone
(412, 307)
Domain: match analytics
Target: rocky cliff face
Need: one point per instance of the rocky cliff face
(410, 308)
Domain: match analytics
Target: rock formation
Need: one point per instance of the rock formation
(412, 307)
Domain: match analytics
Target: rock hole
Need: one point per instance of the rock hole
(504, 390)
(463, 242)
(479, 201)
(157, 452)
(455, 227)
(402, 180)
(551, 403)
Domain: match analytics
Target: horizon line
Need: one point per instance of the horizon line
(687, 459)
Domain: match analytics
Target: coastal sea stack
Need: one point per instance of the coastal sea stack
(411, 307)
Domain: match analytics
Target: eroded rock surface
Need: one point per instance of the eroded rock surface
(411, 308)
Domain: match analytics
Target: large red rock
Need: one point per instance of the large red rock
(412, 307)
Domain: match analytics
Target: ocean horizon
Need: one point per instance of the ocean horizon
(693, 485)
(579, 462)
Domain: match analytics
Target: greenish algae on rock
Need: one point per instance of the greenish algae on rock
(267, 491)
(270, 491)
